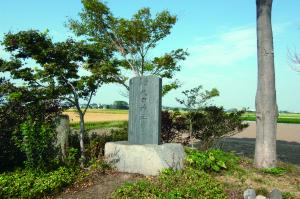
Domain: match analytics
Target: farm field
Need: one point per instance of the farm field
(282, 118)
(287, 130)
(99, 115)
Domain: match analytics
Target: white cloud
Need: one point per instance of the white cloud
(227, 48)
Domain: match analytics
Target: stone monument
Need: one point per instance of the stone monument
(144, 110)
(143, 152)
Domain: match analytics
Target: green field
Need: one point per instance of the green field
(293, 118)
(100, 125)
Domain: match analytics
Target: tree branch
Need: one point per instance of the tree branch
(91, 94)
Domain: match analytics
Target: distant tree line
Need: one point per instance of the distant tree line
(115, 105)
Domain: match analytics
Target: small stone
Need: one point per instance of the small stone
(249, 194)
(260, 197)
(275, 194)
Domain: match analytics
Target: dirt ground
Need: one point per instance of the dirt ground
(101, 186)
(285, 132)
(288, 142)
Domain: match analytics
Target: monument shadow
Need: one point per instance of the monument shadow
(288, 152)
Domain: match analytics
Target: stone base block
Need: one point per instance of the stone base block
(147, 159)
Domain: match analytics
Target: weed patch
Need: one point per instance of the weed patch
(211, 160)
(188, 183)
(34, 184)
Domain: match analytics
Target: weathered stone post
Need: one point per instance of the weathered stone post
(63, 131)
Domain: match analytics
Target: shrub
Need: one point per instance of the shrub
(172, 124)
(211, 160)
(38, 144)
(213, 123)
(72, 157)
(188, 183)
(208, 125)
(34, 184)
(17, 104)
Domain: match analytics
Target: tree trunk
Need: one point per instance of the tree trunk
(81, 139)
(266, 107)
(191, 131)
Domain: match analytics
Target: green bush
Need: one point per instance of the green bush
(211, 160)
(172, 124)
(213, 123)
(18, 104)
(188, 183)
(38, 144)
(34, 184)
(95, 144)
(72, 157)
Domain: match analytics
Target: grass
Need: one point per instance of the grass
(187, 183)
(100, 125)
(262, 180)
(292, 118)
(233, 179)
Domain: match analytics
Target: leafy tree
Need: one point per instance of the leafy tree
(266, 107)
(132, 39)
(120, 105)
(70, 70)
(195, 100)
(19, 104)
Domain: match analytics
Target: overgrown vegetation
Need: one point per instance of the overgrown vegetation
(34, 184)
(188, 183)
(38, 144)
(211, 160)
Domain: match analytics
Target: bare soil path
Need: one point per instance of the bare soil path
(288, 142)
(285, 132)
(102, 186)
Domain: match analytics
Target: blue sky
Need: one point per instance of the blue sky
(219, 35)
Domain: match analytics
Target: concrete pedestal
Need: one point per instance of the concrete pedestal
(147, 159)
